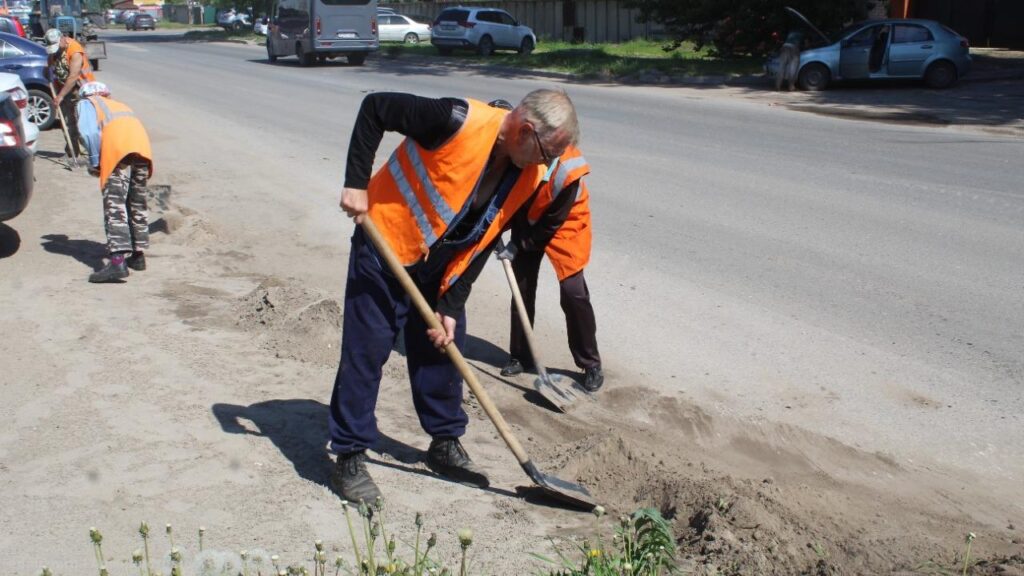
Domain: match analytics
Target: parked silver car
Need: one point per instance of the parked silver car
(482, 29)
(401, 28)
(882, 49)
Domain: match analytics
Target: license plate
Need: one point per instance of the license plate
(347, 35)
(448, 27)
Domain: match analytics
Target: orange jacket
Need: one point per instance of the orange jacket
(416, 196)
(73, 48)
(121, 134)
(569, 248)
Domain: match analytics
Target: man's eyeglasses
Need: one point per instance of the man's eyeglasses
(543, 153)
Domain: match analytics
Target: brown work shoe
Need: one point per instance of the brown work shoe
(351, 479)
(447, 457)
(137, 261)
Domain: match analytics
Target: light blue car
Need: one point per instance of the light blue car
(882, 49)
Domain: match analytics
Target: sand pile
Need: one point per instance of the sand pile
(293, 321)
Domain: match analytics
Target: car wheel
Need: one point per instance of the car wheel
(814, 77)
(526, 47)
(305, 59)
(127, 28)
(356, 59)
(941, 74)
(271, 57)
(444, 51)
(486, 46)
(237, 26)
(39, 109)
(95, 63)
(412, 38)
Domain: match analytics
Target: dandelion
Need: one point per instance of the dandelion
(465, 540)
(202, 530)
(967, 555)
(46, 572)
(170, 535)
(260, 560)
(598, 511)
(274, 559)
(419, 520)
(144, 532)
(594, 553)
(97, 549)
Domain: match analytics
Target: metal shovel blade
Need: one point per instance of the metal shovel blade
(560, 391)
(566, 492)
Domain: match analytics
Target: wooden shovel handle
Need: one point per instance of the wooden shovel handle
(384, 249)
(524, 319)
(63, 124)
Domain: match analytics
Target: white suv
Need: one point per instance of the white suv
(482, 29)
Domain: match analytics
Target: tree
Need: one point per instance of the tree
(744, 27)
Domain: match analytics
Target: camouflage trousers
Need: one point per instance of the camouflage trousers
(124, 207)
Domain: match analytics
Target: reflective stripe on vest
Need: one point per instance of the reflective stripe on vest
(563, 173)
(109, 116)
(407, 190)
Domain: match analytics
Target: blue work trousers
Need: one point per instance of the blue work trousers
(376, 311)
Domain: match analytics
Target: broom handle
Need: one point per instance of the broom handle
(384, 249)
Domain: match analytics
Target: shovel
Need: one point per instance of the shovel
(572, 494)
(556, 389)
(69, 155)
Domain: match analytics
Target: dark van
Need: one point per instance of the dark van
(315, 30)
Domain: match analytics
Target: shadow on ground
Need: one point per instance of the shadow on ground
(10, 241)
(87, 252)
(298, 429)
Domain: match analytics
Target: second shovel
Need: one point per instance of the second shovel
(560, 391)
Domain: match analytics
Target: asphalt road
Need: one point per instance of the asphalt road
(859, 279)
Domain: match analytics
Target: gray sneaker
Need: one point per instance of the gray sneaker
(447, 457)
(351, 479)
(109, 273)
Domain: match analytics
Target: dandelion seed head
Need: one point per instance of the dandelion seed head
(598, 511)
(144, 530)
(465, 537)
(259, 557)
(319, 544)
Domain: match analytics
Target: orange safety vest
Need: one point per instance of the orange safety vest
(73, 48)
(569, 248)
(416, 196)
(529, 179)
(121, 134)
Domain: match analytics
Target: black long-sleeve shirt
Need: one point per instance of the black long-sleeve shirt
(535, 237)
(430, 122)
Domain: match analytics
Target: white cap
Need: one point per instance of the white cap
(93, 89)
(52, 40)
